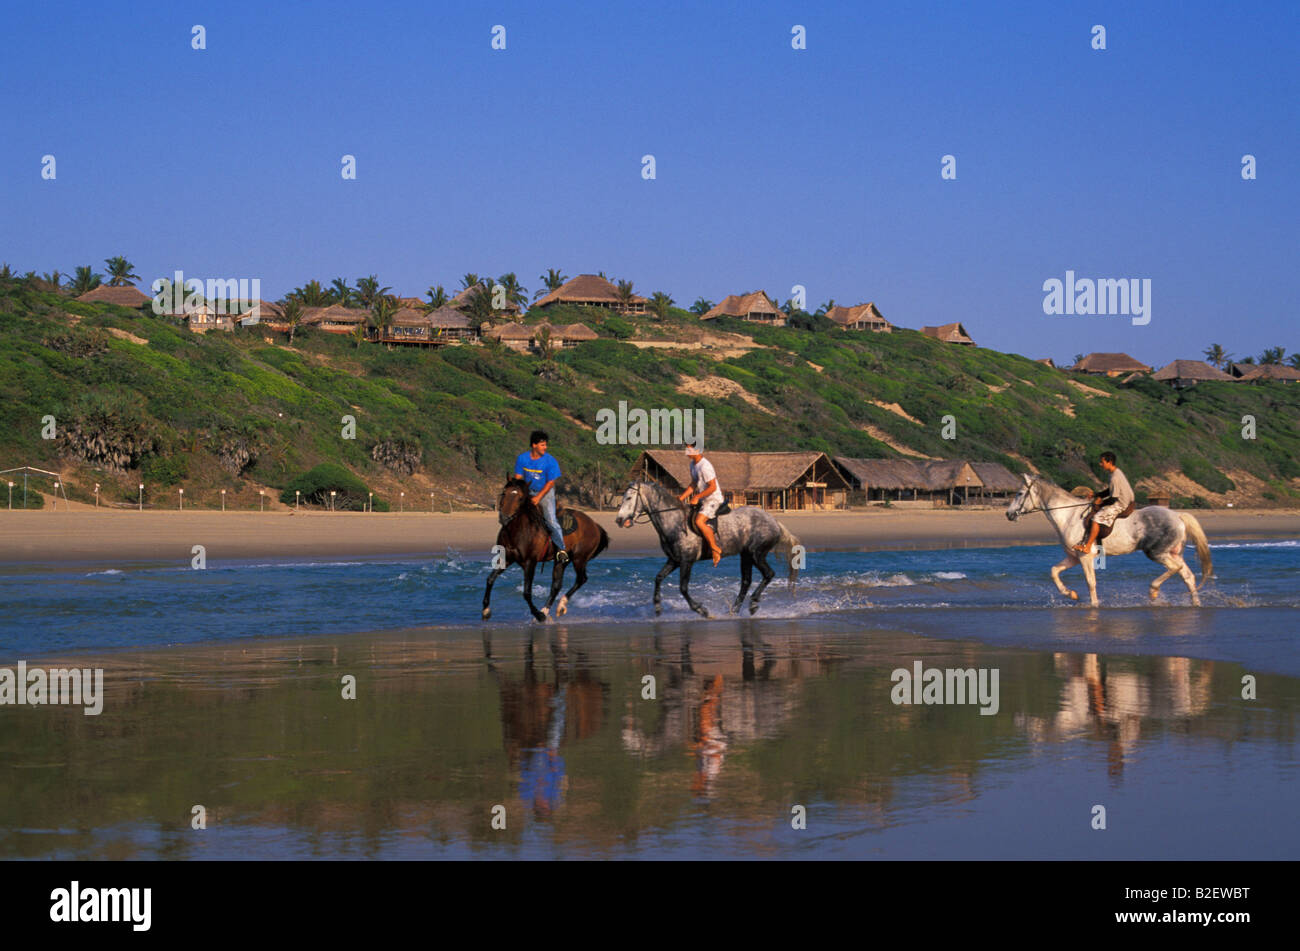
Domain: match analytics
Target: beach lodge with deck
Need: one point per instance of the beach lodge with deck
(755, 307)
(591, 290)
(442, 327)
(527, 338)
(799, 481)
(937, 481)
(861, 317)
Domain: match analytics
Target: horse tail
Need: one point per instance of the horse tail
(788, 543)
(604, 540)
(1197, 535)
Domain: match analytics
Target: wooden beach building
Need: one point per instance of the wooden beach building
(755, 307)
(860, 317)
(527, 338)
(335, 319)
(937, 481)
(1110, 364)
(950, 333)
(591, 290)
(801, 481)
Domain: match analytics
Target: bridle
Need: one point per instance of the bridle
(647, 511)
(511, 517)
(1048, 508)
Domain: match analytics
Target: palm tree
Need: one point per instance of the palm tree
(312, 294)
(545, 344)
(359, 334)
(470, 280)
(437, 297)
(293, 313)
(121, 272)
(1216, 355)
(1294, 360)
(553, 278)
(53, 280)
(341, 291)
(515, 293)
(659, 304)
(625, 294)
(383, 309)
(821, 311)
(369, 291)
(1078, 358)
(84, 280)
(1273, 355)
(701, 306)
(478, 307)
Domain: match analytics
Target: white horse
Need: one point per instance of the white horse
(1159, 533)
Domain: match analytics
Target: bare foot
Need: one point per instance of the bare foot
(717, 557)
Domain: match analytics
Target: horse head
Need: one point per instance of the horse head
(633, 504)
(1017, 506)
(514, 499)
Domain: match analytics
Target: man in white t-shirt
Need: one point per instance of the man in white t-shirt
(704, 489)
(1116, 502)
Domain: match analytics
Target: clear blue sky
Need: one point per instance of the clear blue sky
(775, 167)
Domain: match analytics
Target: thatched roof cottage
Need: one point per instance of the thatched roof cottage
(775, 480)
(1185, 373)
(860, 317)
(125, 296)
(950, 333)
(591, 290)
(755, 307)
(1110, 364)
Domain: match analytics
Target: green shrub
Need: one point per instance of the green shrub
(1202, 473)
(316, 484)
(164, 470)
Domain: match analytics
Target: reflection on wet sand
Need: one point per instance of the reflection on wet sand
(748, 718)
(1110, 703)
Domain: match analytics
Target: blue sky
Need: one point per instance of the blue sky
(775, 167)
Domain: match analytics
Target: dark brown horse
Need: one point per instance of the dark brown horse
(527, 541)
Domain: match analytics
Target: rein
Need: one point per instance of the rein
(648, 512)
(1052, 508)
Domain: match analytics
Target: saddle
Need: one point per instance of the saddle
(723, 509)
(1106, 529)
(568, 519)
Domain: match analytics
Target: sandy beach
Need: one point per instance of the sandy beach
(89, 535)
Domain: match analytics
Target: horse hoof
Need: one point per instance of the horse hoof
(703, 612)
(487, 613)
(1073, 596)
(753, 608)
(1154, 594)
(545, 613)
(562, 608)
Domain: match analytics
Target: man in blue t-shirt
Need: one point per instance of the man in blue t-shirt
(540, 470)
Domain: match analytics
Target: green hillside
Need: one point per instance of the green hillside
(229, 410)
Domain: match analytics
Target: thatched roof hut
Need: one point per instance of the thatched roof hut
(591, 290)
(1110, 364)
(1262, 372)
(755, 307)
(1183, 373)
(335, 318)
(950, 333)
(997, 478)
(462, 299)
(860, 317)
(125, 296)
(788, 480)
(529, 336)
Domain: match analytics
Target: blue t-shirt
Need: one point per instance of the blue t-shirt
(538, 472)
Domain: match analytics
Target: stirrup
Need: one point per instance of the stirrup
(562, 556)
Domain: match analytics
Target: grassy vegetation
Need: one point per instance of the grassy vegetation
(230, 411)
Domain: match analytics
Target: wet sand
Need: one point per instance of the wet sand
(87, 535)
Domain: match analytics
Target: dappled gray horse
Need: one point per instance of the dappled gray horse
(745, 531)
(1158, 532)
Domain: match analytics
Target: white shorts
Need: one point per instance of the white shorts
(709, 507)
(1107, 515)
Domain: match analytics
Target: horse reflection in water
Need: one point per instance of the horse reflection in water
(709, 711)
(539, 714)
(1108, 700)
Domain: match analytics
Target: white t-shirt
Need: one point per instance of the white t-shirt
(1120, 489)
(701, 475)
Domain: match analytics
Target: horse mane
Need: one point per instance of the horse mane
(533, 513)
(661, 495)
